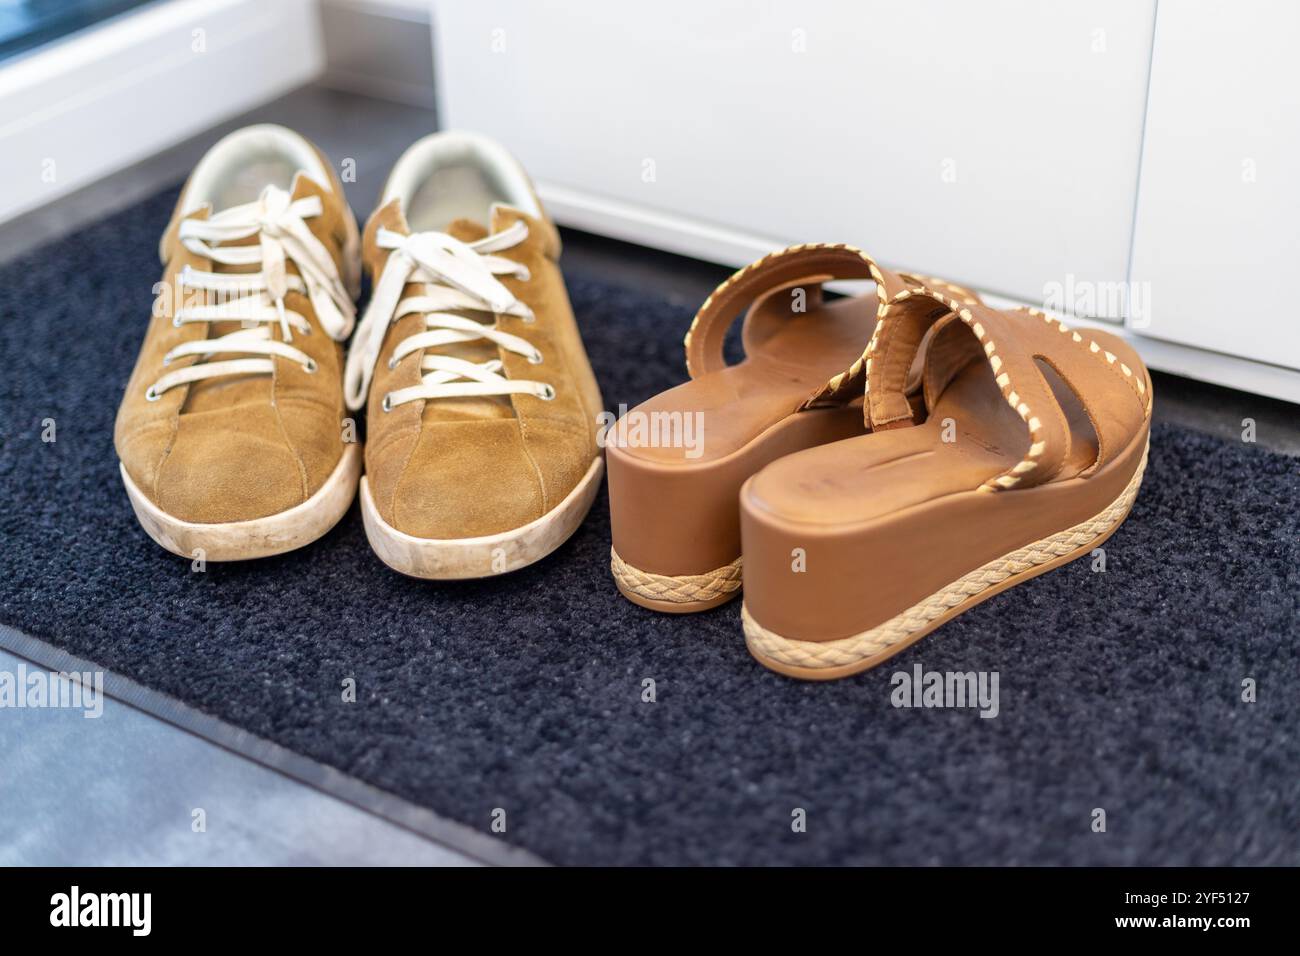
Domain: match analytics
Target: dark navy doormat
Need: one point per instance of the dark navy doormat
(1163, 693)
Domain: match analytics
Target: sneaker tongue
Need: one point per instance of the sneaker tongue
(467, 230)
(303, 187)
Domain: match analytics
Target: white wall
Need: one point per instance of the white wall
(77, 110)
(994, 143)
(1015, 146)
(1218, 223)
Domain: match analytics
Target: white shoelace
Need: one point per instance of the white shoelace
(460, 276)
(256, 299)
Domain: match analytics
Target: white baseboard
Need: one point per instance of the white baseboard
(700, 240)
(99, 101)
(649, 227)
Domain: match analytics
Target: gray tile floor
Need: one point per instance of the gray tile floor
(125, 788)
(122, 788)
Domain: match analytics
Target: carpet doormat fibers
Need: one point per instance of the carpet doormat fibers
(1159, 698)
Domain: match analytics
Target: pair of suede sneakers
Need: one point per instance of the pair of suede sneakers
(238, 432)
(881, 462)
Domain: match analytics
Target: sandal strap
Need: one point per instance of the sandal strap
(1105, 374)
(1114, 393)
(806, 265)
(853, 382)
(906, 320)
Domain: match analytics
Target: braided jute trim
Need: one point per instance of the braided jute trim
(686, 589)
(851, 650)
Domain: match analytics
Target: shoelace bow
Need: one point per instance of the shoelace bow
(459, 277)
(256, 299)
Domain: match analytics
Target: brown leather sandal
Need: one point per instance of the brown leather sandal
(676, 532)
(1031, 456)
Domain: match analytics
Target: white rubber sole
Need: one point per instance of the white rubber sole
(454, 559)
(260, 537)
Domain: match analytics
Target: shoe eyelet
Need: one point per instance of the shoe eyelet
(151, 394)
(535, 358)
(310, 367)
(392, 364)
(167, 360)
(548, 393)
(523, 274)
(176, 322)
(529, 317)
(387, 403)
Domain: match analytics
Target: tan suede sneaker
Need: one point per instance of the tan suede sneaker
(482, 416)
(231, 433)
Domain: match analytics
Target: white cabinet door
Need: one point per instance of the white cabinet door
(1218, 225)
(995, 143)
